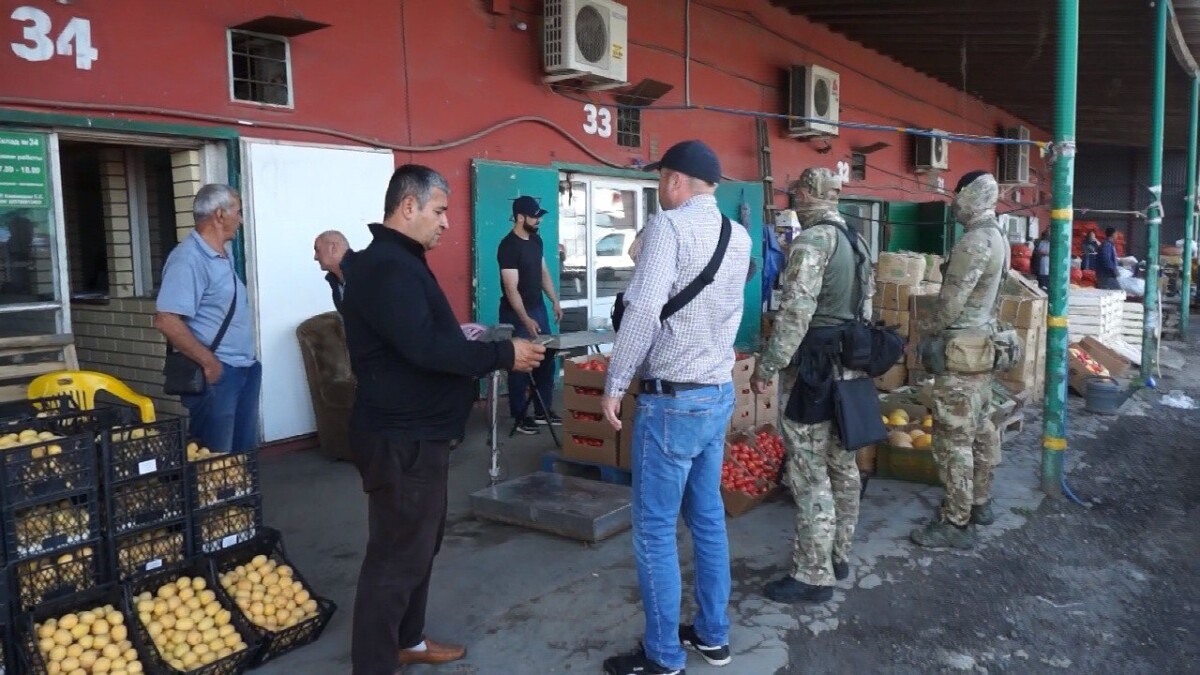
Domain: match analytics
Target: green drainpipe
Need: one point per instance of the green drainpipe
(1054, 434)
(1189, 231)
(1155, 213)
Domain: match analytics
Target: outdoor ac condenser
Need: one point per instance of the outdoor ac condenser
(814, 93)
(585, 39)
(931, 153)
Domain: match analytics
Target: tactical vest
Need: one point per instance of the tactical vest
(835, 304)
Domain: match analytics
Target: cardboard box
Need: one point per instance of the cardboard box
(575, 376)
(1108, 357)
(743, 368)
(605, 453)
(1023, 312)
(766, 411)
(893, 296)
(737, 503)
(1078, 373)
(899, 320)
(743, 417)
(933, 267)
(1021, 286)
(601, 430)
(921, 311)
(900, 268)
(743, 395)
(574, 399)
(893, 379)
(865, 459)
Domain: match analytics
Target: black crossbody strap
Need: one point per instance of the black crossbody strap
(228, 315)
(706, 276)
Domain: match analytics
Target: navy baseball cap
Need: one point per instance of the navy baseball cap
(691, 158)
(528, 207)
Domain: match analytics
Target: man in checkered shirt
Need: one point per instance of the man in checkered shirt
(684, 368)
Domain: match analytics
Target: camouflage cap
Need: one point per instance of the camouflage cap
(819, 183)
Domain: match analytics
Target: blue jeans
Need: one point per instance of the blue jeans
(225, 417)
(543, 375)
(678, 448)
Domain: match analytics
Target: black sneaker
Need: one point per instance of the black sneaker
(841, 569)
(716, 656)
(637, 663)
(982, 514)
(788, 590)
(526, 426)
(550, 419)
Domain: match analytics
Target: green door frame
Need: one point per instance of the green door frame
(230, 137)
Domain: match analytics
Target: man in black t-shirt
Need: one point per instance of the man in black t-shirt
(523, 278)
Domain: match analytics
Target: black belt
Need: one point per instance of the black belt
(665, 388)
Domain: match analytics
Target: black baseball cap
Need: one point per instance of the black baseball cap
(691, 158)
(528, 207)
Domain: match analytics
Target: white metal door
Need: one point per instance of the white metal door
(598, 220)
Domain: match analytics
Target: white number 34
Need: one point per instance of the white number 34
(74, 40)
(599, 120)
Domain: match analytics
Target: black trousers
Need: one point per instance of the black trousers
(405, 484)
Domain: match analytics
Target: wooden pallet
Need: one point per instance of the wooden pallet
(555, 463)
(22, 359)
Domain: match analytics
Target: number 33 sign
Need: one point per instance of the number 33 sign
(598, 121)
(74, 40)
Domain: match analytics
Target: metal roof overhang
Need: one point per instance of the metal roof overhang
(1005, 53)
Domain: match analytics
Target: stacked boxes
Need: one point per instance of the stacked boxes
(901, 277)
(1023, 306)
(749, 408)
(224, 499)
(145, 497)
(51, 507)
(587, 436)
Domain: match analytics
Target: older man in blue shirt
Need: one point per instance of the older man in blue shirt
(200, 287)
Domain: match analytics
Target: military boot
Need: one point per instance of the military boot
(841, 569)
(982, 514)
(788, 590)
(944, 534)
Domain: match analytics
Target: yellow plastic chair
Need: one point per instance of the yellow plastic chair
(82, 385)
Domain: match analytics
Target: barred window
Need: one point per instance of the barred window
(260, 68)
(629, 127)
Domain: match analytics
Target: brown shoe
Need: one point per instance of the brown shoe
(435, 653)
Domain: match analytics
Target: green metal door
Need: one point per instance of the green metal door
(730, 196)
(921, 227)
(494, 186)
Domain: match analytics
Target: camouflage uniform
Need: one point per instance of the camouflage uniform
(821, 474)
(966, 444)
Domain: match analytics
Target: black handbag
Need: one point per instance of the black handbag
(183, 376)
(856, 415)
(690, 291)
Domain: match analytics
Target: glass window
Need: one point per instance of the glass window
(573, 242)
(610, 245)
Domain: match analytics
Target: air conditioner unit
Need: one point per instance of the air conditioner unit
(931, 153)
(586, 39)
(814, 93)
(1014, 158)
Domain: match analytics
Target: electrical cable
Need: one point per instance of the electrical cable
(1067, 491)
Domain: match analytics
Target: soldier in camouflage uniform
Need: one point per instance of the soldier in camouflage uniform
(966, 444)
(818, 284)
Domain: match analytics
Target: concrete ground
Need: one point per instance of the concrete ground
(1109, 587)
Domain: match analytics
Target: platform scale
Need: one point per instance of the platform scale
(571, 507)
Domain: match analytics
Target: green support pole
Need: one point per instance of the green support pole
(1155, 213)
(1054, 434)
(1189, 231)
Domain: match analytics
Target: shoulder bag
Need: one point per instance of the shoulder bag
(689, 292)
(183, 376)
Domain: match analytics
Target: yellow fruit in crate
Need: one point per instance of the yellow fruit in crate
(927, 422)
(925, 442)
(898, 418)
(915, 435)
(886, 421)
(900, 439)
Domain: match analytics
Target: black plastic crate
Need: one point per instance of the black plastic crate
(139, 503)
(136, 450)
(275, 643)
(15, 412)
(58, 575)
(151, 583)
(220, 527)
(103, 598)
(222, 478)
(40, 469)
(39, 529)
(147, 550)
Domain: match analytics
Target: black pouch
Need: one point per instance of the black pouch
(857, 416)
(182, 376)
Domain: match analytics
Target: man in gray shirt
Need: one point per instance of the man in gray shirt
(684, 368)
(199, 288)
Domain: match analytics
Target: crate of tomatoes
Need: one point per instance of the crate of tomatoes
(751, 470)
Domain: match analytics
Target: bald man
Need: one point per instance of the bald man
(331, 250)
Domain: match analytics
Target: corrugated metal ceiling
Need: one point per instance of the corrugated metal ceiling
(1005, 54)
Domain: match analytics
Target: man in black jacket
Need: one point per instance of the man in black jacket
(332, 252)
(415, 371)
